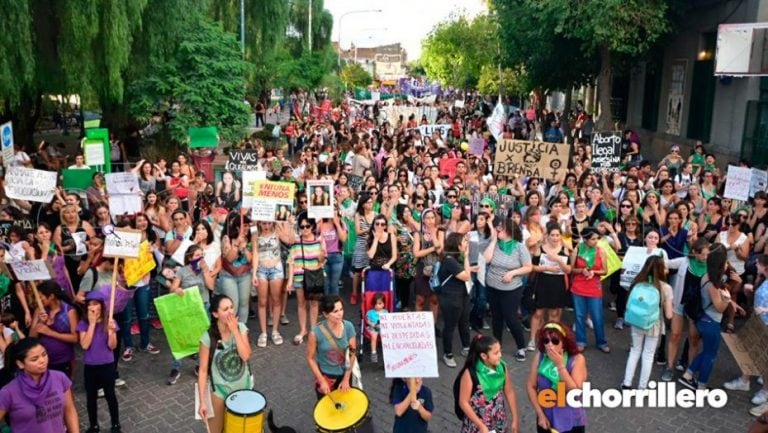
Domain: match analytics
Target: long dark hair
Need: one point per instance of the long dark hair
(480, 344)
(52, 288)
(18, 351)
(716, 264)
(653, 272)
(452, 245)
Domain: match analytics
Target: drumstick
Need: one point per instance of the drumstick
(207, 427)
(338, 406)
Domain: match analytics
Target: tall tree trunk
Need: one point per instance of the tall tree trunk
(604, 89)
(24, 117)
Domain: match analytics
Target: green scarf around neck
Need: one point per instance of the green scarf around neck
(491, 380)
(548, 369)
(588, 254)
(697, 267)
(507, 246)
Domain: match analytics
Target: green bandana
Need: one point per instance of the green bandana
(588, 254)
(491, 381)
(548, 369)
(568, 191)
(416, 215)
(697, 267)
(507, 246)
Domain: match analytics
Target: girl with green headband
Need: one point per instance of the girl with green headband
(588, 263)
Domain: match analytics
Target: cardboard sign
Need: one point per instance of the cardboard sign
(6, 142)
(428, 130)
(29, 184)
(320, 199)
(531, 159)
(408, 341)
(748, 345)
(271, 200)
(122, 183)
(606, 151)
(32, 270)
(184, 321)
(207, 136)
(93, 150)
(759, 181)
(123, 243)
(243, 160)
(738, 183)
(136, 269)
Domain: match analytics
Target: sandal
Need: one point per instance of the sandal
(277, 339)
(262, 341)
(298, 339)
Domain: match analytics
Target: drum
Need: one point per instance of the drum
(245, 412)
(341, 411)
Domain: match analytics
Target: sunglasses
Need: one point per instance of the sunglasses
(305, 226)
(626, 206)
(379, 223)
(554, 340)
(485, 206)
(419, 204)
(451, 196)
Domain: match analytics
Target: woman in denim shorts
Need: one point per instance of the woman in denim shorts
(268, 277)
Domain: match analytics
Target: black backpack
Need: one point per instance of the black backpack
(457, 389)
(691, 300)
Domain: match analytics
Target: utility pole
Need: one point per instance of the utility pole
(309, 30)
(242, 28)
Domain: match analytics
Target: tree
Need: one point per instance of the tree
(353, 75)
(202, 84)
(512, 82)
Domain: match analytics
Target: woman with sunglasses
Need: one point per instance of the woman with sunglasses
(307, 253)
(588, 263)
(737, 245)
(458, 222)
(381, 245)
(427, 246)
(558, 360)
(363, 224)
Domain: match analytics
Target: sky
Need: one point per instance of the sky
(404, 21)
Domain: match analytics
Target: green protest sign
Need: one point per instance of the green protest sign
(184, 321)
(103, 135)
(77, 178)
(207, 136)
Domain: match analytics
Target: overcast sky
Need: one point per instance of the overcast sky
(404, 21)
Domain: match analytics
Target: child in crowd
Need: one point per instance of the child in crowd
(372, 321)
(413, 405)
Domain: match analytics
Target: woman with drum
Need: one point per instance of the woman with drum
(227, 364)
(327, 347)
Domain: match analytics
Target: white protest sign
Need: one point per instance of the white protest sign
(122, 183)
(428, 130)
(320, 199)
(123, 243)
(408, 340)
(633, 262)
(458, 103)
(29, 184)
(122, 204)
(32, 270)
(6, 139)
(249, 177)
(737, 183)
(758, 182)
(93, 151)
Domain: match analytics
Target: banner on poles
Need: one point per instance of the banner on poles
(531, 159)
(184, 321)
(23, 183)
(606, 151)
(408, 341)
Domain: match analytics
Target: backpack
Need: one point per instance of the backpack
(643, 306)
(457, 389)
(691, 300)
(435, 283)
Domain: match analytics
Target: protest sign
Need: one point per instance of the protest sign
(243, 160)
(448, 167)
(184, 321)
(272, 201)
(122, 183)
(321, 202)
(496, 121)
(748, 345)
(738, 183)
(502, 202)
(29, 184)
(122, 243)
(408, 341)
(73, 178)
(633, 262)
(207, 136)
(93, 150)
(6, 139)
(428, 130)
(125, 204)
(476, 146)
(32, 270)
(136, 269)
(249, 177)
(393, 112)
(759, 181)
(606, 151)
(458, 103)
(93, 123)
(531, 159)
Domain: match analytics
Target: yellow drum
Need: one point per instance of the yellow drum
(341, 411)
(245, 412)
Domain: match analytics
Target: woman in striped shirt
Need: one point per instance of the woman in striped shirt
(306, 254)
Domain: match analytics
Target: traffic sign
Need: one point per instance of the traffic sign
(6, 139)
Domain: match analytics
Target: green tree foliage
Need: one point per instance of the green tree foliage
(202, 84)
(17, 63)
(353, 75)
(512, 82)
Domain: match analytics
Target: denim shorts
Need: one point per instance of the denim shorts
(271, 274)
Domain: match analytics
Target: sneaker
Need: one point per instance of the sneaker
(449, 361)
(526, 324)
(486, 326)
(737, 385)
(127, 354)
(100, 393)
(667, 375)
(277, 339)
(262, 341)
(680, 366)
(531, 346)
(93, 429)
(760, 397)
(374, 357)
(520, 355)
(156, 323)
(465, 351)
(152, 350)
(661, 361)
(284, 320)
(619, 324)
(251, 314)
(353, 299)
(135, 329)
(759, 410)
(173, 377)
(590, 325)
(119, 383)
(116, 429)
(612, 306)
(688, 383)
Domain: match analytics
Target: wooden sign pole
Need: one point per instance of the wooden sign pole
(38, 301)
(112, 292)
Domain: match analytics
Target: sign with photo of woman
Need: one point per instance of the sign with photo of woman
(320, 198)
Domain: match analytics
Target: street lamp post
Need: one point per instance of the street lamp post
(338, 61)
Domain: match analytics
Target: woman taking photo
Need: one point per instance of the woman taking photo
(37, 388)
(56, 327)
(328, 346)
(229, 339)
(268, 277)
(508, 261)
(363, 224)
(558, 360)
(149, 176)
(550, 288)
(307, 254)
(588, 263)
(454, 274)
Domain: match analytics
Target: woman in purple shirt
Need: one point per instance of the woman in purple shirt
(38, 400)
(56, 326)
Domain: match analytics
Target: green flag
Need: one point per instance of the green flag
(207, 136)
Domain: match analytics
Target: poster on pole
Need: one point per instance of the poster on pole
(272, 201)
(606, 151)
(758, 182)
(738, 183)
(6, 139)
(184, 321)
(531, 159)
(23, 183)
(93, 150)
(136, 269)
(321, 202)
(408, 341)
(123, 243)
(243, 160)
(32, 270)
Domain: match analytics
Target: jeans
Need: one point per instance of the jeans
(455, 310)
(709, 330)
(504, 307)
(333, 265)
(141, 300)
(100, 376)
(239, 290)
(594, 306)
(643, 347)
(479, 304)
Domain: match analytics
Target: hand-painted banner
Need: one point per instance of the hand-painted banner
(29, 184)
(606, 151)
(428, 130)
(243, 160)
(124, 243)
(32, 270)
(408, 341)
(184, 321)
(737, 183)
(531, 159)
(136, 269)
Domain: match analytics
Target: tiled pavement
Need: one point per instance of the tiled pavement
(148, 405)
